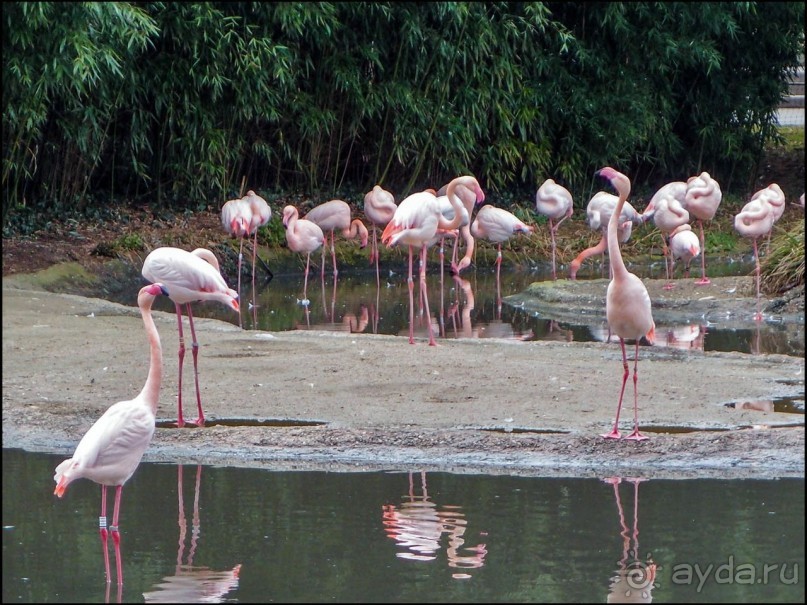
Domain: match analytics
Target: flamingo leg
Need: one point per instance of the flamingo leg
(432, 341)
(704, 280)
(113, 529)
(635, 435)
(758, 315)
(104, 533)
(254, 298)
(411, 285)
(552, 229)
(195, 524)
(200, 421)
(614, 434)
(181, 521)
(240, 256)
(375, 257)
(181, 354)
(498, 282)
(333, 255)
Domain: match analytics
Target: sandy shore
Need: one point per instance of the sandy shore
(342, 401)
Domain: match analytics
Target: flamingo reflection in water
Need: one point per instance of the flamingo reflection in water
(192, 583)
(634, 579)
(418, 525)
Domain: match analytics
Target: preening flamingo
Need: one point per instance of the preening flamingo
(598, 213)
(111, 450)
(684, 246)
(236, 217)
(379, 208)
(498, 225)
(627, 304)
(302, 236)
(334, 215)
(416, 222)
(755, 220)
(189, 277)
(468, 198)
(555, 202)
(668, 216)
(703, 196)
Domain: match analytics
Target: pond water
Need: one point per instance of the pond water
(207, 534)
(468, 306)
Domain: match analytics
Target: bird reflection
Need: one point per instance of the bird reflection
(634, 579)
(460, 312)
(192, 583)
(690, 336)
(418, 525)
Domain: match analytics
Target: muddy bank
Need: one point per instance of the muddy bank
(343, 401)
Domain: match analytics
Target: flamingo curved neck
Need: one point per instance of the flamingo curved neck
(614, 254)
(151, 390)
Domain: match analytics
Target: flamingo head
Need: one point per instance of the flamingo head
(618, 181)
(288, 212)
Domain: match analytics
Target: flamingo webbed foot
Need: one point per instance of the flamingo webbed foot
(704, 281)
(614, 434)
(669, 286)
(637, 436)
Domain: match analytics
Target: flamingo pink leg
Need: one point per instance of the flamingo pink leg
(614, 434)
(113, 529)
(552, 229)
(432, 341)
(635, 435)
(104, 533)
(498, 281)
(411, 284)
(758, 315)
(181, 354)
(704, 280)
(240, 256)
(200, 421)
(254, 299)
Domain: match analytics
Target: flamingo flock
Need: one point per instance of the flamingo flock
(111, 450)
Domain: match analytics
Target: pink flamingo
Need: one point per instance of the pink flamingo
(498, 225)
(302, 236)
(415, 223)
(261, 215)
(111, 450)
(668, 216)
(755, 220)
(554, 201)
(236, 217)
(598, 212)
(684, 246)
(774, 195)
(334, 215)
(189, 277)
(702, 197)
(379, 208)
(627, 304)
(468, 198)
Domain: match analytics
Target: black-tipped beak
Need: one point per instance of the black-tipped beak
(163, 290)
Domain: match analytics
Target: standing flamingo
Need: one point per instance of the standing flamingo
(468, 198)
(111, 450)
(775, 197)
(627, 304)
(302, 236)
(498, 225)
(554, 201)
(236, 217)
(189, 277)
(416, 221)
(755, 220)
(703, 196)
(334, 215)
(379, 208)
(598, 213)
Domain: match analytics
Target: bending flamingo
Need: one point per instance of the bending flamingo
(627, 304)
(755, 220)
(334, 215)
(467, 196)
(498, 225)
(555, 202)
(189, 277)
(111, 450)
(703, 196)
(598, 212)
(379, 208)
(302, 236)
(417, 221)
(684, 246)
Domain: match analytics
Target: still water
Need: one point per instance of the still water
(206, 534)
(466, 306)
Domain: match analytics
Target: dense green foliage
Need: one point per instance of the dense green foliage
(188, 104)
